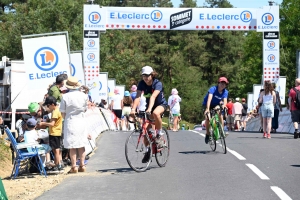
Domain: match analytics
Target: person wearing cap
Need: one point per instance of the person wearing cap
(268, 99)
(237, 112)
(72, 107)
(55, 89)
(38, 112)
(126, 106)
(116, 106)
(55, 131)
(133, 92)
(244, 114)
(156, 103)
(31, 136)
(230, 116)
(174, 105)
(214, 96)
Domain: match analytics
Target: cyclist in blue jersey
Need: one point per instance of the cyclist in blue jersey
(214, 96)
(156, 102)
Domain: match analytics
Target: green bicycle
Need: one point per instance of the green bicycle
(216, 129)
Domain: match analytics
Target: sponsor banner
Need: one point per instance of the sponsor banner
(90, 34)
(103, 88)
(77, 67)
(181, 18)
(268, 19)
(281, 87)
(256, 90)
(94, 18)
(111, 84)
(271, 57)
(250, 102)
(45, 58)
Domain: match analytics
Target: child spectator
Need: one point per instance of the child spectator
(55, 131)
(31, 136)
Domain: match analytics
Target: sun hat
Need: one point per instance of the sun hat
(133, 88)
(147, 70)
(31, 122)
(223, 79)
(116, 91)
(72, 83)
(243, 100)
(237, 99)
(126, 93)
(174, 91)
(33, 107)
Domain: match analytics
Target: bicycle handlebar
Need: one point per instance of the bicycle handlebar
(145, 114)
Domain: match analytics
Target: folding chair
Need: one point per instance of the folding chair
(23, 155)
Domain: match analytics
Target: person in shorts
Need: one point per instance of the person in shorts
(295, 112)
(230, 116)
(55, 131)
(116, 105)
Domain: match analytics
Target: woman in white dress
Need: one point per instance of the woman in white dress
(173, 103)
(72, 108)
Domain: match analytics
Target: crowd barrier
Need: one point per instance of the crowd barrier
(285, 124)
(97, 121)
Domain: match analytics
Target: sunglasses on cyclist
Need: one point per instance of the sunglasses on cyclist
(146, 75)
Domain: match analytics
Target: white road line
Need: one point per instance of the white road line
(258, 172)
(280, 193)
(203, 135)
(236, 154)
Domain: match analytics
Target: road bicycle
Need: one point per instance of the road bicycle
(135, 148)
(216, 130)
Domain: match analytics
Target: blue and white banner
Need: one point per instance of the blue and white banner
(250, 102)
(268, 19)
(94, 18)
(103, 89)
(77, 67)
(45, 58)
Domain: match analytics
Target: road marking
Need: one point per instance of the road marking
(280, 193)
(236, 154)
(203, 135)
(258, 172)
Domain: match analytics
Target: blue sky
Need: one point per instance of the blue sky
(236, 3)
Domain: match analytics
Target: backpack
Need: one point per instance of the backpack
(244, 111)
(297, 99)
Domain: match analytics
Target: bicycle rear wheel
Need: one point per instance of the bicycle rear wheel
(212, 141)
(222, 138)
(135, 150)
(162, 154)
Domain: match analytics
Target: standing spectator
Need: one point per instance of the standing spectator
(174, 105)
(277, 108)
(116, 105)
(259, 112)
(126, 107)
(55, 91)
(237, 112)
(133, 92)
(244, 114)
(72, 108)
(295, 112)
(230, 116)
(55, 132)
(268, 99)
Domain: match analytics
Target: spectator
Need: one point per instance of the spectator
(259, 112)
(174, 105)
(267, 98)
(277, 108)
(244, 114)
(55, 132)
(103, 104)
(55, 91)
(133, 92)
(38, 112)
(295, 112)
(86, 91)
(72, 108)
(230, 116)
(126, 106)
(116, 105)
(237, 112)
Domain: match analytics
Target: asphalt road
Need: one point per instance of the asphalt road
(254, 168)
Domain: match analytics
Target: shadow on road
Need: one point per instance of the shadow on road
(295, 165)
(115, 170)
(199, 152)
(288, 138)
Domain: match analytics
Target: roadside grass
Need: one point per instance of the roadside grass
(187, 124)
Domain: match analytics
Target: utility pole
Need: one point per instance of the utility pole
(271, 3)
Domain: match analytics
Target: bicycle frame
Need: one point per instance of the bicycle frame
(215, 123)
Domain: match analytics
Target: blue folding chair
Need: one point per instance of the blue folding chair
(22, 155)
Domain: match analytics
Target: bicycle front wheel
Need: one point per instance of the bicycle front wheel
(162, 154)
(222, 139)
(212, 141)
(135, 151)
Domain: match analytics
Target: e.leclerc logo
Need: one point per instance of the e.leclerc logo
(91, 56)
(271, 58)
(271, 44)
(94, 17)
(267, 19)
(100, 85)
(45, 59)
(245, 16)
(73, 70)
(155, 15)
(91, 43)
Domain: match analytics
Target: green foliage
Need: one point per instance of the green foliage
(4, 149)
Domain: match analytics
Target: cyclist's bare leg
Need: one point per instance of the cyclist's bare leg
(146, 142)
(207, 126)
(175, 126)
(157, 117)
(221, 119)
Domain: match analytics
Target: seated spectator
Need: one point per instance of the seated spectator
(31, 136)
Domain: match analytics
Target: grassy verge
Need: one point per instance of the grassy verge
(166, 119)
